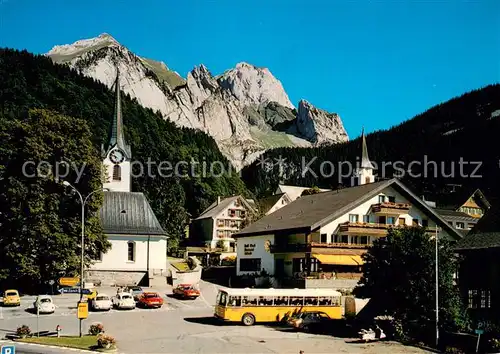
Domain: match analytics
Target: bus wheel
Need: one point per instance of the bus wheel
(248, 319)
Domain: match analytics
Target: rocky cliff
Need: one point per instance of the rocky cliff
(245, 109)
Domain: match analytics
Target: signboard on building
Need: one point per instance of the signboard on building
(83, 310)
(249, 248)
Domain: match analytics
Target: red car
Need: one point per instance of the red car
(150, 300)
(186, 291)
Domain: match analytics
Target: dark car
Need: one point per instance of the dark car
(313, 321)
(135, 291)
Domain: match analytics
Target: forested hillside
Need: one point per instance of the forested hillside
(466, 127)
(30, 81)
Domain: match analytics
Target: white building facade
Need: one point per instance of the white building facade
(138, 252)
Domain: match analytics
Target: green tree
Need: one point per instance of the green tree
(399, 277)
(39, 218)
(311, 191)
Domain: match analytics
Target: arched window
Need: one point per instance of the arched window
(131, 251)
(117, 173)
(367, 180)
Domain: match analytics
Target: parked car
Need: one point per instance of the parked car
(313, 321)
(135, 291)
(150, 299)
(101, 302)
(44, 304)
(186, 291)
(123, 301)
(11, 298)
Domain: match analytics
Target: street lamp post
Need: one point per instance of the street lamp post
(437, 289)
(83, 201)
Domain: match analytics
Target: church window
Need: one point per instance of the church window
(117, 173)
(131, 251)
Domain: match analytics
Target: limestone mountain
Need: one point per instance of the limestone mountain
(245, 109)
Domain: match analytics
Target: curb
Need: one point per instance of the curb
(51, 346)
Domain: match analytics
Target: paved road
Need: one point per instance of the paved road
(188, 327)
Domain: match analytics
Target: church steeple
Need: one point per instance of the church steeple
(363, 174)
(117, 138)
(365, 160)
(117, 157)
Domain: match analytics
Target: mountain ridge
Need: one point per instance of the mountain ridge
(230, 106)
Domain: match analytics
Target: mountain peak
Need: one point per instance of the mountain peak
(253, 85)
(66, 52)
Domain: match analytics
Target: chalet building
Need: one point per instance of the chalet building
(138, 252)
(323, 236)
(461, 208)
(479, 271)
(215, 227)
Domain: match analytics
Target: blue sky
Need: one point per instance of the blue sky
(374, 63)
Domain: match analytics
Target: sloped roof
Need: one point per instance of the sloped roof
(267, 203)
(216, 208)
(129, 213)
(455, 215)
(308, 213)
(454, 200)
(486, 233)
(295, 191)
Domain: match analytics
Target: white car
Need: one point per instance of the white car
(124, 301)
(101, 302)
(44, 304)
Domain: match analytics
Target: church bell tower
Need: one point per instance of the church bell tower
(364, 173)
(117, 157)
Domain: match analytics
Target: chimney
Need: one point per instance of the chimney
(218, 200)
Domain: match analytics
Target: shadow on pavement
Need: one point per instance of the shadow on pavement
(209, 321)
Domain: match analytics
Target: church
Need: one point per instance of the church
(138, 253)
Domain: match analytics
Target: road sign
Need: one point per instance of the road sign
(66, 281)
(8, 349)
(83, 310)
(51, 282)
(479, 331)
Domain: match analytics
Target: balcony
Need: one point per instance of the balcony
(391, 208)
(365, 229)
(290, 247)
(338, 245)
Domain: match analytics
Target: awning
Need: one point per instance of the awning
(339, 259)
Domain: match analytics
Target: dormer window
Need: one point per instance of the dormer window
(381, 198)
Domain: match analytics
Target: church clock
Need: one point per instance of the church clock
(117, 156)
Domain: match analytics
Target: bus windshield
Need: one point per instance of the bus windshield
(222, 298)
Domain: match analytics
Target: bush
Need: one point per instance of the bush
(105, 341)
(96, 328)
(453, 350)
(495, 345)
(23, 331)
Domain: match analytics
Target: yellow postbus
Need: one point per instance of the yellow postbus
(273, 305)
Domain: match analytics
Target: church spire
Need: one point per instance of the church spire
(365, 160)
(117, 138)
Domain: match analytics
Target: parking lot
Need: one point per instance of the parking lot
(185, 326)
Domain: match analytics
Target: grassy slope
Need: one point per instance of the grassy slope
(170, 77)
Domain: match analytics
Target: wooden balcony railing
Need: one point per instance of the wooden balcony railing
(391, 207)
(338, 245)
(290, 247)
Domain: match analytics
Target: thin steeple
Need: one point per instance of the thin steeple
(365, 160)
(117, 138)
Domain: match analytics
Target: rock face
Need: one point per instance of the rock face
(245, 109)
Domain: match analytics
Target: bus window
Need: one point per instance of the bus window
(325, 301)
(234, 301)
(296, 301)
(265, 301)
(335, 301)
(249, 301)
(311, 301)
(281, 301)
(223, 299)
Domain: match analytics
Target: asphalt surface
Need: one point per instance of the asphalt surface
(181, 326)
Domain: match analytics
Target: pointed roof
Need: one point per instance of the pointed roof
(365, 160)
(309, 213)
(486, 233)
(117, 138)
